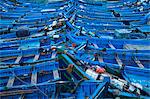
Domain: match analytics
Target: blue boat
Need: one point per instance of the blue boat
(74, 49)
(40, 73)
(115, 82)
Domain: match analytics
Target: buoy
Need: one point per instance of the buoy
(73, 45)
(46, 28)
(70, 68)
(53, 48)
(70, 65)
(100, 70)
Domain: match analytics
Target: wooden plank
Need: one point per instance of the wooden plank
(34, 77)
(81, 47)
(36, 57)
(138, 63)
(22, 96)
(100, 59)
(8, 93)
(7, 58)
(111, 46)
(55, 74)
(34, 73)
(11, 81)
(53, 55)
(118, 61)
(95, 45)
(136, 47)
(18, 59)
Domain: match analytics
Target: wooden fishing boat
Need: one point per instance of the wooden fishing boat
(123, 94)
(28, 55)
(22, 13)
(136, 60)
(141, 76)
(111, 68)
(76, 73)
(47, 90)
(33, 32)
(39, 73)
(34, 29)
(83, 65)
(115, 44)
